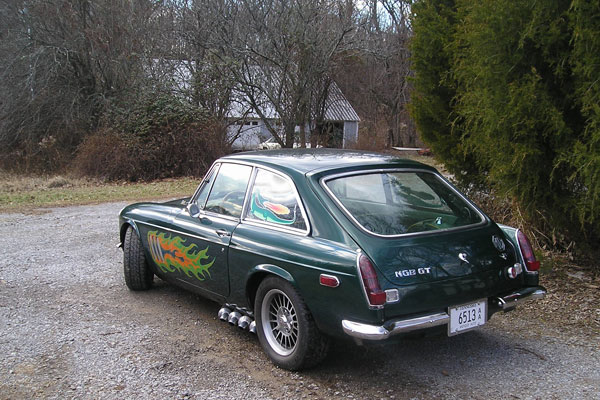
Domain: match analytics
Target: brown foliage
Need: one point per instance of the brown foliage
(551, 244)
(51, 153)
(103, 154)
(372, 136)
(182, 149)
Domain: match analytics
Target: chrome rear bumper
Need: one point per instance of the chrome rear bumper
(510, 301)
(374, 332)
(381, 332)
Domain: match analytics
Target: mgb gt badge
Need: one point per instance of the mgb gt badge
(413, 272)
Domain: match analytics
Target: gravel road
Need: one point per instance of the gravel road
(69, 328)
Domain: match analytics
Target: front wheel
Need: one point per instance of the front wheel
(138, 275)
(285, 327)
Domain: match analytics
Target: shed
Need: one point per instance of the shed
(251, 130)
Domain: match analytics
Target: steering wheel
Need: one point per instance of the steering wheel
(427, 224)
(235, 193)
(465, 213)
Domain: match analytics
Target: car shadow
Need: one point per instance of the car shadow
(412, 365)
(480, 355)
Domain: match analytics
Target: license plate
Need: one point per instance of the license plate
(467, 316)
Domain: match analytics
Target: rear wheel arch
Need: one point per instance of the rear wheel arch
(260, 273)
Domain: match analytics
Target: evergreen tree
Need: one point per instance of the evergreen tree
(434, 25)
(515, 87)
(584, 156)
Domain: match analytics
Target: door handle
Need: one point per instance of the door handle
(223, 232)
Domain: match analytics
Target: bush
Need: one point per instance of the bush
(506, 94)
(105, 155)
(160, 137)
(52, 153)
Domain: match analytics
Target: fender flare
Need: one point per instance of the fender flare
(258, 273)
(126, 224)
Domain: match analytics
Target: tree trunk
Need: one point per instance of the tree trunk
(303, 135)
(289, 135)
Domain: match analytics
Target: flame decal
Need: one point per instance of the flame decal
(171, 254)
(271, 212)
(278, 209)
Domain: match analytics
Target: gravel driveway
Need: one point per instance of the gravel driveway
(69, 328)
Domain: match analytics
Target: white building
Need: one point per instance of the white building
(249, 130)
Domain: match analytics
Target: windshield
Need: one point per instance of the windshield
(401, 202)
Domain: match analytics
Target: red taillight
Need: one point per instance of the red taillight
(375, 295)
(527, 251)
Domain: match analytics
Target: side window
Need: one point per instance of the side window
(206, 184)
(273, 199)
(229, 189)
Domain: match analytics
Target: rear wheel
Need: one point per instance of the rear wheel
(138, 275)
(286, 329)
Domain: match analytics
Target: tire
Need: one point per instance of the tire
(292, 340)
(138, 275)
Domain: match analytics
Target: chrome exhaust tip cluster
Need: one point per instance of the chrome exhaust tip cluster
(241, 318)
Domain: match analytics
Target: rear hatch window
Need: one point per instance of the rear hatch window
(419, 229)
(392, 203)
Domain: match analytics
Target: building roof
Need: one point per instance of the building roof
(338, 107)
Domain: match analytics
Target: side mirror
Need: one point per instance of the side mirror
(193, 209)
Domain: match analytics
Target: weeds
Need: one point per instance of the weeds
(24, 193)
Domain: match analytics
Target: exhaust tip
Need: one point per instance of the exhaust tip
(252, 327)
(244, 322)
(234, 317)
(223, 313)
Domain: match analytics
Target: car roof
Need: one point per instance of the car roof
(303, 161)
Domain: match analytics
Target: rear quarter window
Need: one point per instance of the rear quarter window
(273, 200)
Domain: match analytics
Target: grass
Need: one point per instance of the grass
(27, 193)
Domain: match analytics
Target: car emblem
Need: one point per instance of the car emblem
(498, 243)
(463, 257)
(413, 272)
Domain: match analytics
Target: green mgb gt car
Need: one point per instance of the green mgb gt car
(301, 246)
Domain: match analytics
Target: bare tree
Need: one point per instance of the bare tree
(376, 78)
(276, 54)
(397, 70)
(68, 65)
(65, 60)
